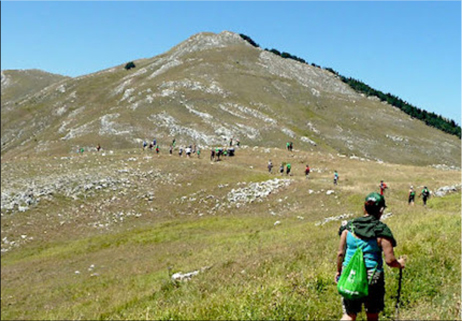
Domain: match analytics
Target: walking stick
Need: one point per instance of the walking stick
(399, 294)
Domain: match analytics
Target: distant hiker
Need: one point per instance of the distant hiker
(335, 177)
(151, 146)
(154, 142)
(281, 169)
(188, 152)
(98, 147)
(212, 154)
(231, 142)
(425, 195)
(145, 144)
(270, 166)
(231, 151)
(291, 146)
(374, 237)
(218, 153)
(180, 152)
(411, 196)
(157, 149)
(81, 150)
(288, 167)
(382, 186)
(174, 142)
(238, 142)
(171, 150)
(288, 146)
(198, 152)
(194, 149)
(307, 170)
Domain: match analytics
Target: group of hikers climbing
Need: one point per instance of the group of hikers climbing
(285, 167)
(152, 145)
(189, 150)
(425, 194)
(360, 267)
(290, 146)
(216, 153)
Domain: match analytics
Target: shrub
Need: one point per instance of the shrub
(130, 65)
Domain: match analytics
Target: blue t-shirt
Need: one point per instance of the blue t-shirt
(371, 251)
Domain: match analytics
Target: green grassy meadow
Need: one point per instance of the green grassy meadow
(82, 259)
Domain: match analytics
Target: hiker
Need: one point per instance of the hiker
(157, 149)
(198, 152)
(288, 167)
(231, 142)
(291, 146)
(154, 142)
(151, 146)
(188, 152)
(382, 186)
(281, 169)
(82, 150)
(425, 195)
(171, 150)
(238, 142)
(307, 170)
(231, 152)
(98, 147)
(411, 196)
(335, 177)
(374, 237)
(218, 153)
(270, 167)
(180, 151)
(174, 142)
(212, 154)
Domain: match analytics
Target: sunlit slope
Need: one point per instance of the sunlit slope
(213, 87)
(100, 235)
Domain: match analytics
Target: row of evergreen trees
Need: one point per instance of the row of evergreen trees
(430, 118)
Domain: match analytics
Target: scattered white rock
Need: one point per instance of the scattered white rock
(386, 216)
(256, 192)
(333, 218)
(179, 276)
(443, 191)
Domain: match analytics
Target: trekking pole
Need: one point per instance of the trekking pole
(399, 294)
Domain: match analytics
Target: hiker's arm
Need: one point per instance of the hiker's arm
(341, 253)
(390, 258)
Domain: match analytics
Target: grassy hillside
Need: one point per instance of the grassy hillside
(100, 235)
(212, 87)
(18, 84)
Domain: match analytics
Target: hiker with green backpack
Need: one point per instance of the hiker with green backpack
(360, 275)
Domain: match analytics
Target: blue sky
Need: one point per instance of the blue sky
(411, 49)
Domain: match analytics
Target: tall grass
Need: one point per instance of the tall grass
(250, 267)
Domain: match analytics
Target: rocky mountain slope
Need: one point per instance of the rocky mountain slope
(18, 84)
(207, 90)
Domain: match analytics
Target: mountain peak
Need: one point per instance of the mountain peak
(206, 90)
(208, 40)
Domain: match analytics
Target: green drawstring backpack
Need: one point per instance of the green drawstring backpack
(353, 283)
